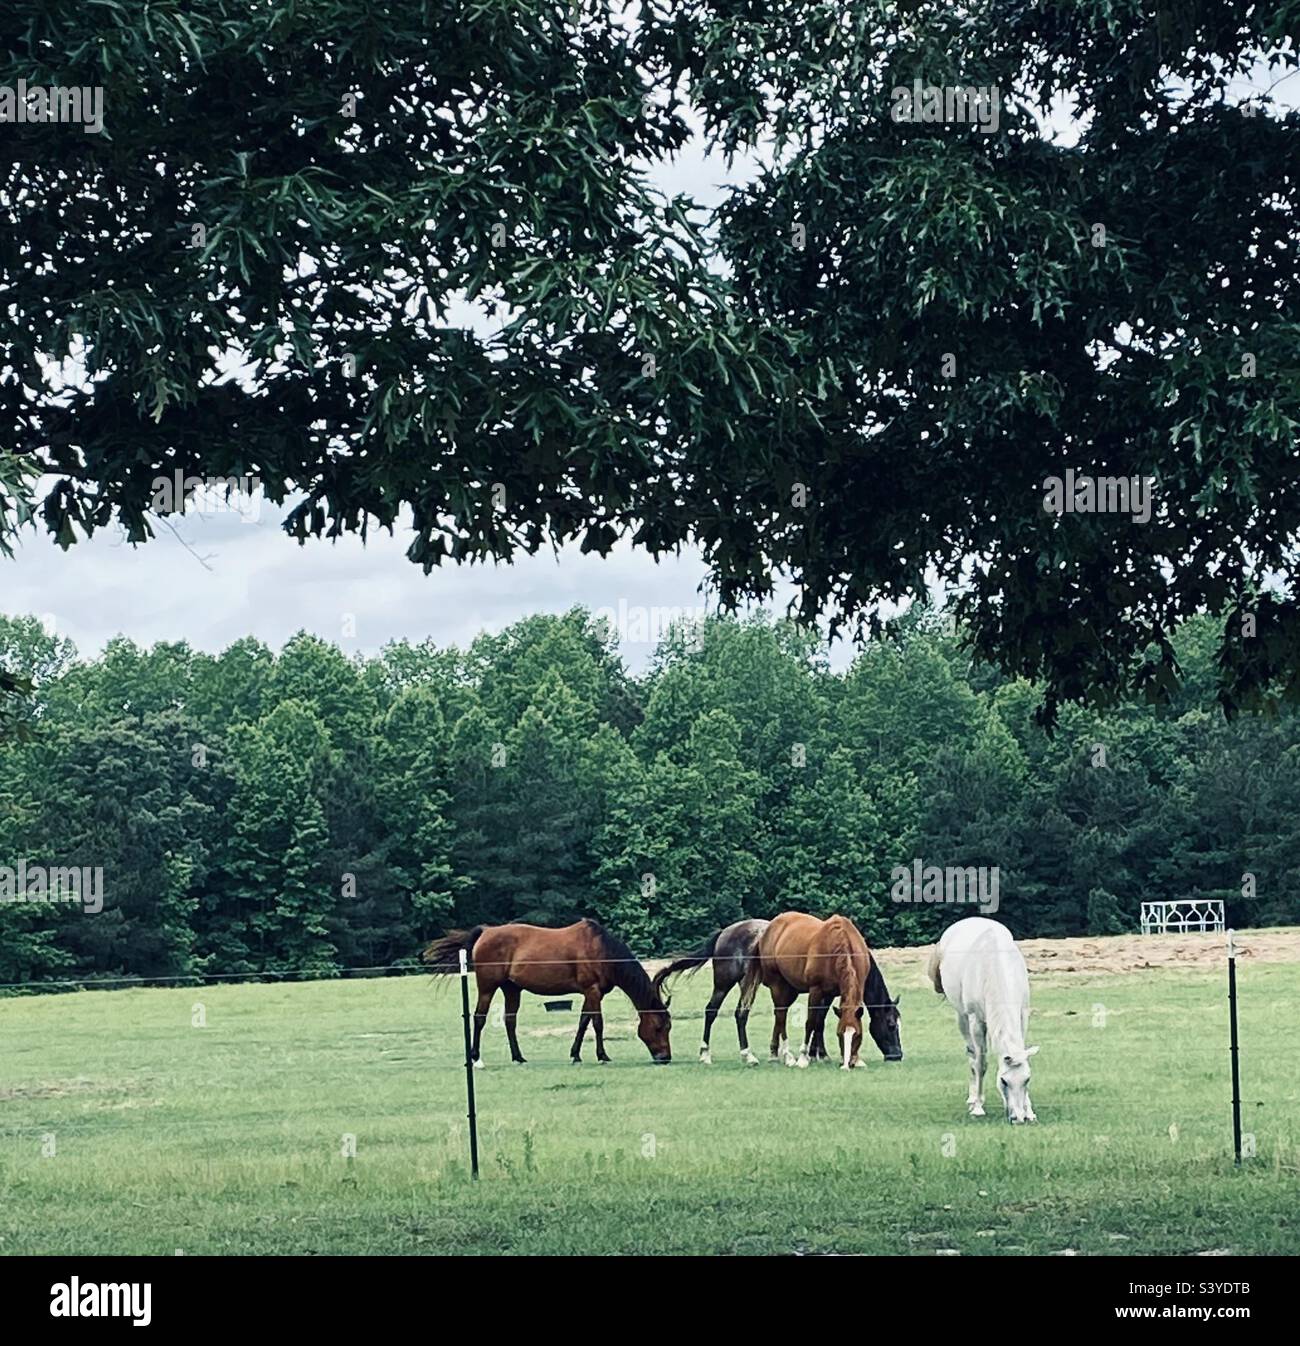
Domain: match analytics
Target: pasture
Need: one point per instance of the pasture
(229, 1138)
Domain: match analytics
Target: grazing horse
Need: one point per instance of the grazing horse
(797, 953)
(882, 1018)
(730, 951)
(580, 957)
(978, 966)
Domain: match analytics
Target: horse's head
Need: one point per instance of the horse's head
(1013, 1084)
(653, 1030)
(884, 1030)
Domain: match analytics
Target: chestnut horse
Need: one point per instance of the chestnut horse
(797, 953)
(731, 950)
(580, 957)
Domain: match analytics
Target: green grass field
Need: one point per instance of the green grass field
(228, 1138)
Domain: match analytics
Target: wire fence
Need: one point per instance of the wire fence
(94, 981)
(1145, 1027)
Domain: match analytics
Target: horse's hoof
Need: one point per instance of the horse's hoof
(519, 1061)
(575, 1060)
(603, 1060)
(705, 1059)
(478, 1065)
(977, 1110)
(789, 1059)
(749, 1058)
(802, 1063)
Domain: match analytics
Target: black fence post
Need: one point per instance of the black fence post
(1232, 1026)
(469, 1066)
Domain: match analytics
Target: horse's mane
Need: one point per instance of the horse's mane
(628, 974)
(842, 951)
(876, 992)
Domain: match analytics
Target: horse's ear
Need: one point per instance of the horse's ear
(898, 1000)
(1031, 1051)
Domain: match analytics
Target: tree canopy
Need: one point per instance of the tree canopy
(303, 811)
(403, 265)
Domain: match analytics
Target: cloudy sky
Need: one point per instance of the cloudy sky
(252, 579)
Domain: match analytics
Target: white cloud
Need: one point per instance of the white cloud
(238, 579)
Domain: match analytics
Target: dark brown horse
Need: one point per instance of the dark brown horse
(797, 953)
(580, 957)
(730, 950)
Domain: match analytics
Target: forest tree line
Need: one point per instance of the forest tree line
(313, 811)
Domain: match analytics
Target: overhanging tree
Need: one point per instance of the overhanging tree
(425, 235)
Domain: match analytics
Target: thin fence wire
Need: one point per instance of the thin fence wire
(378, 971)
(1178, 1048)
(92, 983)
(723, 1050)
(1159, 1115)
(545, 1057)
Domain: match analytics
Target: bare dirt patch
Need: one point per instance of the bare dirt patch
(67, 1089)
(1101, 955)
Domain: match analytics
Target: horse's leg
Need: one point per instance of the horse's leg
(817, 1024)
(816, 1012)
(710, 1014)
(485, 994)
(783, 996)
(981, 1060)
(821, 1032)
(778, 1029)
(598, 1023)
(575, 1054)
(973, 1030)
(512, 995)
(742, 1033)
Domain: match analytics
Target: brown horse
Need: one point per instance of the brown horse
(797, 953)
(580, 957)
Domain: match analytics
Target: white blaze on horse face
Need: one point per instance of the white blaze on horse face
(848, 1049)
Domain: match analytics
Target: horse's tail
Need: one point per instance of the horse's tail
(932, 970)
(688, 962)
(752, 979)
(443, 955)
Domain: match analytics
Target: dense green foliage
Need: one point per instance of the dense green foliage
(424, 232)
(227, 1138)
(310, 811)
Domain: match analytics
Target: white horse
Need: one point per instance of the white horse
(977, 965)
